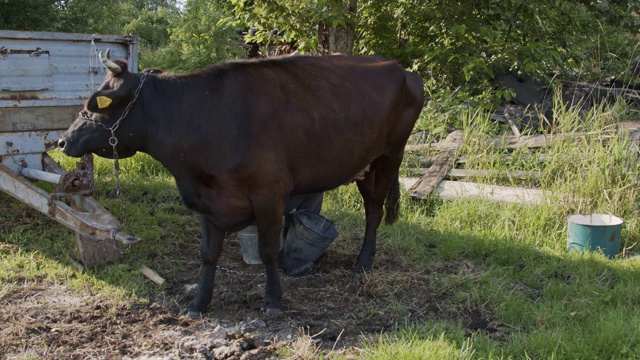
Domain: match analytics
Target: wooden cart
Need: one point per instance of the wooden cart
(45, 79)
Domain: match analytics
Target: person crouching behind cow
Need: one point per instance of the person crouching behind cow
(305, 238)
(306, 233)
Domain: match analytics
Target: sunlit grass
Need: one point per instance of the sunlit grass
(504, 263)
(547, 303)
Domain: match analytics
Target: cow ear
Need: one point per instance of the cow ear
(102, 101)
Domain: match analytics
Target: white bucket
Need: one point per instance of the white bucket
(249, 245)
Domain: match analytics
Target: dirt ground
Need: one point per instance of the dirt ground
(323, 314)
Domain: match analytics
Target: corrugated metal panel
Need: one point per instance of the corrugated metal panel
(42, 69)
(25, 71)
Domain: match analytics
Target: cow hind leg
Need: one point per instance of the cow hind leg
(210, 247)
(392, 203)
(378, 185)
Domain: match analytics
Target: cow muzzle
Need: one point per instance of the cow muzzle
(63, 146)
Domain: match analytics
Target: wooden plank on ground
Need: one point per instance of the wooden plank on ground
(505, 157)
(516, 174)
(442, 163)
(464, 173)
(630, 130)
(506, 142)
(533, 141)
(449, 190)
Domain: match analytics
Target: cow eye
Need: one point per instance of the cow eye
(85, 115)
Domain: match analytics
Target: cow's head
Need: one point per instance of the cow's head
(106, 117)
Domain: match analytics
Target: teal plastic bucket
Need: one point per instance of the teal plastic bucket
(594, 232)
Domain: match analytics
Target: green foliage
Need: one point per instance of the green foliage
(95, 16)
(465, 44)
(298, 19)
(34, 15)
(452, 44)
(152, 26)
(148, 19)
(202, 35)
(154, 5)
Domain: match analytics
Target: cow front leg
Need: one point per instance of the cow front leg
(210, 249)
(269, 222)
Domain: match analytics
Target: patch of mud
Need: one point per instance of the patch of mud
(55, 322)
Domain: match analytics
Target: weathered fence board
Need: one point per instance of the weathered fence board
(450, 190)
(442, 163)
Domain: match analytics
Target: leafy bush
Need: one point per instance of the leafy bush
(201, 36)
(466, 44)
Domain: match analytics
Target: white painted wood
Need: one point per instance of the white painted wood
(449, 190)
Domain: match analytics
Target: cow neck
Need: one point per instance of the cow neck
(165, 136)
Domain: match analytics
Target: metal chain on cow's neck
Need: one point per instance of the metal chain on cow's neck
(113, 141)
(116, 174)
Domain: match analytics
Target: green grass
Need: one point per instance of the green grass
(423, 343)
(39, 250)
(507, 262)
(548, 303)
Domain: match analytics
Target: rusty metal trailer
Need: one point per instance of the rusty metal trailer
(45, 79)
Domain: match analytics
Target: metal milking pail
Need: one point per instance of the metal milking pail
(594, 232)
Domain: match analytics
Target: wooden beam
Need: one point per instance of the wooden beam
(506, 142)
(464, 173)
(442, 163)
(532, 141)
(505, 157)
(449, 190)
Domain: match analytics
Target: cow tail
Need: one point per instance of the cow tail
(392, 203)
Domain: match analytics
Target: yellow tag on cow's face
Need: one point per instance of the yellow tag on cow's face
(103, 101)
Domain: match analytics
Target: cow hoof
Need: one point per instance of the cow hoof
(271, 307)
(194, 314)
(355, 280)
(272, 311)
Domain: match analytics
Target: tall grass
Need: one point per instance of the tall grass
(547, 303)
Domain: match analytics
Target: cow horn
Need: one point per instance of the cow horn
(113, 67)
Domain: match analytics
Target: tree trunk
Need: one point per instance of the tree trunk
(338, 39)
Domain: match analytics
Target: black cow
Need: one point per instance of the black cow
(240, 137)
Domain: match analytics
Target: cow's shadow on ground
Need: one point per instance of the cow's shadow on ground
(326, 304)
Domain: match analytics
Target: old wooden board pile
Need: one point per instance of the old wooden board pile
(444, 175)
